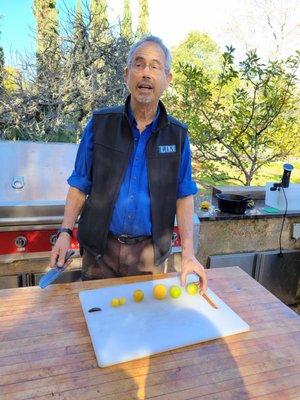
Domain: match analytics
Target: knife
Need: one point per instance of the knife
(55, 272)
(209, 300)
(206, 297)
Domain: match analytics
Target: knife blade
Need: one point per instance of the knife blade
(55, 272)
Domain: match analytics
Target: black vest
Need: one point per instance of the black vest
(113, 144)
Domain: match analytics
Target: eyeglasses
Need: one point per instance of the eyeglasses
(140, 65)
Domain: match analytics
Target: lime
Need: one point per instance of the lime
(159, 292)
(138, 295)
(115, 302)
(192, 288)
(175, 291)
(122, 301)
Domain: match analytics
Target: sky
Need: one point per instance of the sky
(237, 22)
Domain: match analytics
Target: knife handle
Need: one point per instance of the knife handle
(209, 300)
(68, 255)
(54, 272)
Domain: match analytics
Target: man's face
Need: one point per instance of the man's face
(146, 77)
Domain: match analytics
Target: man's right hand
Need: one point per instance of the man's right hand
(59, 250)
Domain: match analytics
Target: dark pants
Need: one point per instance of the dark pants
(121, 260)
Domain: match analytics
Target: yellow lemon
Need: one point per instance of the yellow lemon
(192, 288)
(205, 205)
(138, 295)
(122, 301)
(115, 302)
(175, 291)
(159, 292)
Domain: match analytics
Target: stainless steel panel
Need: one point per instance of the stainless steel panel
(35, 172)
(11, 221)
(280, 275)
(28, 210)
(246, 261)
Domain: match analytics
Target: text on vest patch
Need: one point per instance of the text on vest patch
(170, 148)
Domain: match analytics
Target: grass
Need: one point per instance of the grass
(270, 173)
(273, 172)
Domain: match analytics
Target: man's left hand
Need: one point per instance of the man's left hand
(190, 265)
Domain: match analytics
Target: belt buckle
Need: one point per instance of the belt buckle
(122, 237)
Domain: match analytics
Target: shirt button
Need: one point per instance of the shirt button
(135, 178)
(129, 216)
(131, 197)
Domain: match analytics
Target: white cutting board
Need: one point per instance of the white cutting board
(137, 330)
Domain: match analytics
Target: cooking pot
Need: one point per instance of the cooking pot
(232, 203)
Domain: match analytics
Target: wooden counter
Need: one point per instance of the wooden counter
(46, 352)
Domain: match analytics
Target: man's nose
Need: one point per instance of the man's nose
(147, 71)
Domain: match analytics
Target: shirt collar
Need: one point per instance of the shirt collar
(132, 120)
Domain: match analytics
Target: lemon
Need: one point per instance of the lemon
(192, 288)
(159, 291)
(205, 205)
(175, 291)
(138, 295)
(115, 302)
(122, 301)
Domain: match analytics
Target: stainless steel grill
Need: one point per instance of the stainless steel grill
(33, 188)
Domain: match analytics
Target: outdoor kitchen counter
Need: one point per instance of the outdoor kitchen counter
(46, 352)
(257, 212)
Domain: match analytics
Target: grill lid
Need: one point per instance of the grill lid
(33, 179)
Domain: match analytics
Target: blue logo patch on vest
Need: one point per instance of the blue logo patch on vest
(169, 148)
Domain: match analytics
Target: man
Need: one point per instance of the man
(132, 174)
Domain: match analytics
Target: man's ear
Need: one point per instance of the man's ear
(126, 74)
(169, 78)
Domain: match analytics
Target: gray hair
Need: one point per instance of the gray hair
(153, 39)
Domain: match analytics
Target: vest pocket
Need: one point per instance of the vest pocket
(107, 147)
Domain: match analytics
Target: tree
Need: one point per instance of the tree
(10, 76)
(48, 49)
(2, 62)
(99, 20)
(143, 19)
(1, 68)
(126, 23)
(33, 111)
(197, 49)
(79, 26)
(277, 21)
(242, 120)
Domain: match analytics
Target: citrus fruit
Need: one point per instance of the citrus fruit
(122, 301)
(159, 291)
(115, 302)
(192, 288)
(205, 205)
(175, 291)
(138, 295)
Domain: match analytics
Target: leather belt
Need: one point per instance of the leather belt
(126, 239)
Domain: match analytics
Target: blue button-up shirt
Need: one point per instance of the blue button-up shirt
(132, 211)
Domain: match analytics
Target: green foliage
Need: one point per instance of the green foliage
(198, 49)
(126, 23)
(143, 19)
(99, 18)
(48, 52)
(48, 104)
(1, 68)
(241, 119)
